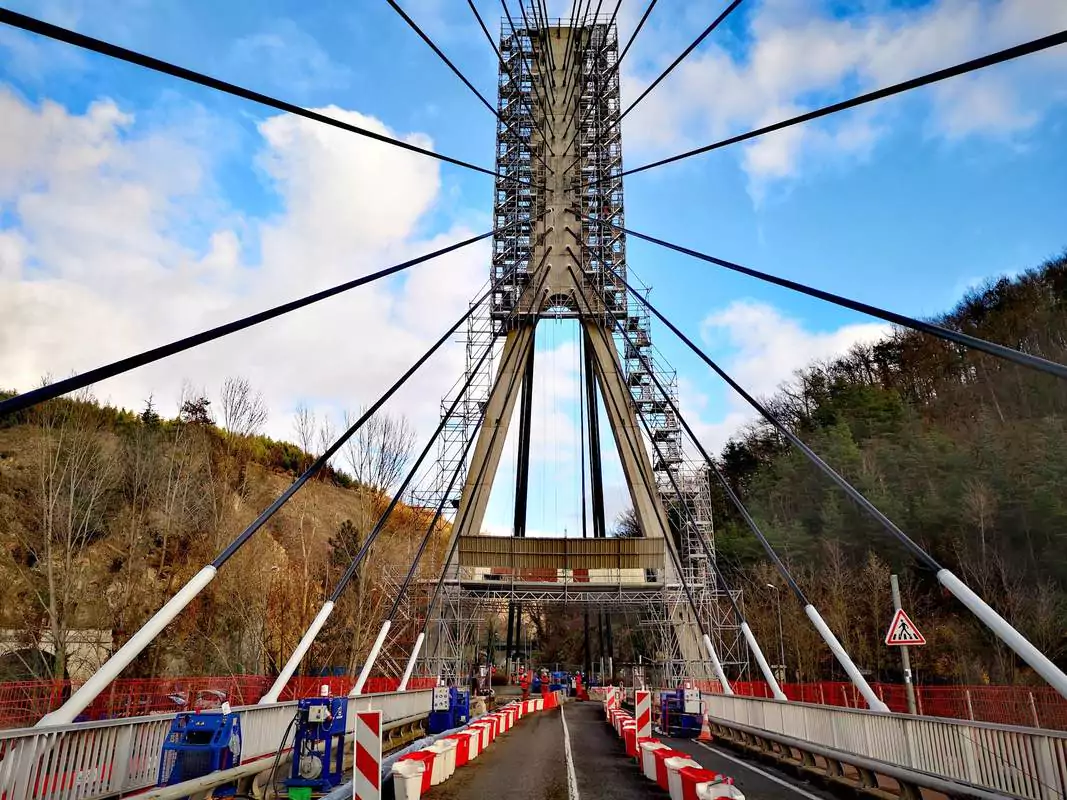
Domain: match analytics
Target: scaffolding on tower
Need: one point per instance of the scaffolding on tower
(471, 595)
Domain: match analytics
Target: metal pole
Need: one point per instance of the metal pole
(905, 661)
(781, 638)
(716, 665)
(761, 660)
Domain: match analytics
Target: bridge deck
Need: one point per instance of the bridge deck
(531, 762)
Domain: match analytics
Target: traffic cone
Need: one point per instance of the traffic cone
(705, 730)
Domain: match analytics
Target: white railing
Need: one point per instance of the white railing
(90, 760)
(1026, 762)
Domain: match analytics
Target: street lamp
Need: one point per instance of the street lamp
(781, 639)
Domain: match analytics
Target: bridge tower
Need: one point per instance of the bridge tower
(559, 159)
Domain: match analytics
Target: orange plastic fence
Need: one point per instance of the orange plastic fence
(22, 703)
(1038, 706)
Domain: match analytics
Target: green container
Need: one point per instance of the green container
(299, 793)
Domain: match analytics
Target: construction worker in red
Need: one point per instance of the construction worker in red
(524, 682)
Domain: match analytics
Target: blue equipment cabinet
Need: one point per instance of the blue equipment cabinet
(319, 746)
(450, 708)
(440, 718)
(679, 712)
(461, 706)
(199, 744)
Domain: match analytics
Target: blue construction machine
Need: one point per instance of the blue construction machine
(450, 708)
(679, 712)
(199, 744)
(319, 747)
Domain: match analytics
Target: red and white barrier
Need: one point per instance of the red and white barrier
(407, 779)
(674, 779)
(675, 771)
(415, 773)
(648, 758)
(367, 772)
(701, 784)
(643, 713)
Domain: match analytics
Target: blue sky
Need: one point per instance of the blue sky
(135, 208)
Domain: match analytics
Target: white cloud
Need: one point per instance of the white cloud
(283, 54)
(795, 57)
(102, 256)
(768, 348)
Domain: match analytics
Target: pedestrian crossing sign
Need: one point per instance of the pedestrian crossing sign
(903, 631)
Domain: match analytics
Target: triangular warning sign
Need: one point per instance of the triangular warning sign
(903, 631)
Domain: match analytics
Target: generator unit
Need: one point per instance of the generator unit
(199, 744)
(319, 746)
(451, 708)
(679, 712)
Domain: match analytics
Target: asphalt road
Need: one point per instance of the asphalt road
(530, 761)
(756, 781)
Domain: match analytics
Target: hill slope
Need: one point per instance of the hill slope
(105, 513)
(965, 452)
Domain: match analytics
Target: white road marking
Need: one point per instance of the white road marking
(572, 780)
(764, 773)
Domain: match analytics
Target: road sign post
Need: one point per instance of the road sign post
(909, 689)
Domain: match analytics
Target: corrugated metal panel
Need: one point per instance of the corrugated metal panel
(501, 552)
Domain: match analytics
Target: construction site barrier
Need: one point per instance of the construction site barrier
(1028, 706)
(22, 703)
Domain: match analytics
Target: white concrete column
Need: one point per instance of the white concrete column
(843, 658)
(298, 654)
(411, 663)
(365, 672)
(110, 669)
(764, 667)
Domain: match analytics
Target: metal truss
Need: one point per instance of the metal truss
(595, 190)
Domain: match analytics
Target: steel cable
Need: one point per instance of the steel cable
(33, 397)
(1000, 57)
(941, 332)
(58, 33)
(437, 50)
(323, 459)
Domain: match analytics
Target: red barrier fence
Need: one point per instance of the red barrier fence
(22, 703)
(1037, 706)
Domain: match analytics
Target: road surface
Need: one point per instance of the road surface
(531, 761)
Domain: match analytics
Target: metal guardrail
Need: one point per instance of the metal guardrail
(1023, 762)
(91, 760)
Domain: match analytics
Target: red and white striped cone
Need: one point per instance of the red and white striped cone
(367, 772)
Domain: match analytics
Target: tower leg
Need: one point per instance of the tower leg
(522, 468)
(596, 475)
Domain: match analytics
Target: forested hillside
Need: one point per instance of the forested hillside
(965, 452)
(105, 513)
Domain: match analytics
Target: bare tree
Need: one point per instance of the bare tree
(379, 451)
(627, 526)
(243, 411)
(304, 424)
(75, 474)
(326, 435)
